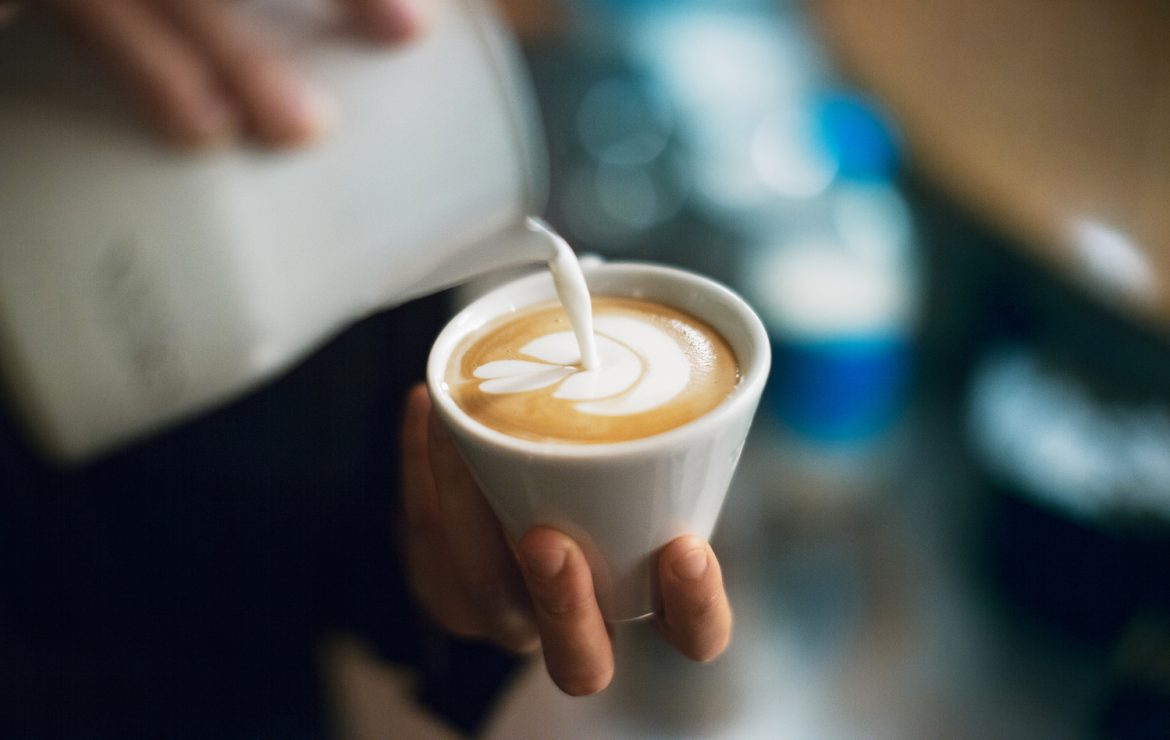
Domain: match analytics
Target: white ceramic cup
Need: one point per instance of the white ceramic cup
(622, 501)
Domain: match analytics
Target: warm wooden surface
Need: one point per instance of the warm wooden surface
(1042, 114)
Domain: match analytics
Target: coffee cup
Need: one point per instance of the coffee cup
(621, 501)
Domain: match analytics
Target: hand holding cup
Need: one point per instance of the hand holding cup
(571, 533)
(475, 582)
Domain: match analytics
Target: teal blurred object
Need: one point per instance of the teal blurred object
(843, 391)
(861, 136)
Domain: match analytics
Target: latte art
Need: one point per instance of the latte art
(658, 368)
(627, 381)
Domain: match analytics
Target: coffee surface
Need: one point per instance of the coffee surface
(659, 368)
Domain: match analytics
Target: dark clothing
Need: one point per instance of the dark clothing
(178, 588)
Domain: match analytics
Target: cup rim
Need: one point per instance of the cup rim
(745, 394)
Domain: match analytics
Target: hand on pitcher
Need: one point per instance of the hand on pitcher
(538, 591)
(204, 73)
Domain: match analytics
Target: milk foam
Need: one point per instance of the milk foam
(660, 368)
(641, 368)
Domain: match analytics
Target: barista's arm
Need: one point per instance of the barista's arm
(1049, 116)
(205, 74)
(539, 590)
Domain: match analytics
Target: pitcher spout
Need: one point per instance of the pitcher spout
(528, 241)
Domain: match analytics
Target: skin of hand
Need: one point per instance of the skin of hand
(205, 74)
(538, 591)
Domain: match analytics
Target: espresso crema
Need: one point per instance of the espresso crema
(659, 368)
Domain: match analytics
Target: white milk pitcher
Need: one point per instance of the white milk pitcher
(139, 286)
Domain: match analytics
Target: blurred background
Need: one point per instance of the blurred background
(953, 515)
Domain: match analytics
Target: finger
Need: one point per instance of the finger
(281, 109)
(696, 616)
(479, 549)
(577, 650)
(164, 72)
(389, 20)
(431, 572)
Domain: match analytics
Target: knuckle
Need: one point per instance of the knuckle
(703, 606)
(456, 621)
(564, 607)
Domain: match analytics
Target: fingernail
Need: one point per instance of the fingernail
(544, 562)
(397, 20)
(692, 566)
(312, 111)
(297, 113)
